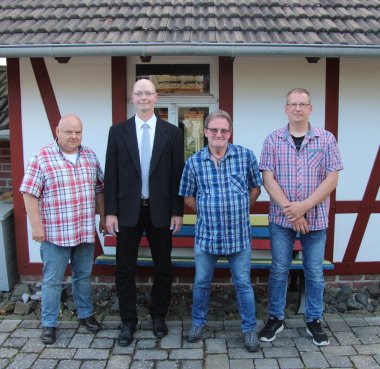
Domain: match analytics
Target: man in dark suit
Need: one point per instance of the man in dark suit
(144, 164)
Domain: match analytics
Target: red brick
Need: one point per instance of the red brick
(371, 277)
(352, 277)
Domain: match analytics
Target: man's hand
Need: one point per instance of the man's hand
(38, 233)
(300, 225)
(112, 224)
(102, 224)
(176, 224)
(295, 210)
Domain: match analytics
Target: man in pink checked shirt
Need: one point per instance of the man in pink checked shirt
(300, 165)
(62, 186)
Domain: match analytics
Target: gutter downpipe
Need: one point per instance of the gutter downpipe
(231, 50)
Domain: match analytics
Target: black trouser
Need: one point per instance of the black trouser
(160, 242)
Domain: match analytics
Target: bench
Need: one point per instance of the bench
(183, 256)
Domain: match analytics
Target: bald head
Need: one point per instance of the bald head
(144, 98)
(69, 133)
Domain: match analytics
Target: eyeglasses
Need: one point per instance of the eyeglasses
(294, 106)
(142, 93)
(215, 131)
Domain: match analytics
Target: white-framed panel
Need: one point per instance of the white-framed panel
(260, 88)
(82, 87)
(359, 124)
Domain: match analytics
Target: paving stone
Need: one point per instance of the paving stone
(354, 321)
(372, 320)
(192, 345)
(65, 333)
(314, 360)
(295, 323)
(15, 342)
(368, 349)
(118, 362)
(102, 343)
(265, 363)
(290, 333)
(9, 325)
(192, 364)
(232, 325)
(150, 355)
(29, 324)
(246, 364)
(27, 333)
(81, 341)
(370, 339)
(337, 325)
(346, 338)
(69, 364)
(364, 362)
(91, 354)
(108, 325)
(57, 353)
(92, 364)
(215, 325)
(7, 353)
(146, 344)
(166, 364)
(22, 361)
(216, 346)
(219, 361)
(182, 354)
(305, 345)
(240, 353)
(338, 350)
(236, 342)
(119, 350)
(45, 364)
(68, 324)
(171, 341)
(142, 365)
(108, 333)
(377, 358)
(3, 337)
(283, 342)
(365, 331)
(290, 363)
(33, 345)
(3, 363)
(144, 334)
(277, 352)
(339, 361)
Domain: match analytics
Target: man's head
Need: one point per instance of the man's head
(69, 133)
(144, 98)
(298, 106)
(218, 129)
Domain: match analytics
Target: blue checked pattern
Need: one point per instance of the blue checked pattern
(146, 154)
(222, 196)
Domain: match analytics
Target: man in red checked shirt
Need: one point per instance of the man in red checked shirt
(62, 186)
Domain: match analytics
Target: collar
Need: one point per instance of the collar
(311, 133)
(206, 155)
(60, 150)
(151, 122)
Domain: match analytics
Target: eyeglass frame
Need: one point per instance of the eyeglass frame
(142, 93)
(214, 131)
(300, 105)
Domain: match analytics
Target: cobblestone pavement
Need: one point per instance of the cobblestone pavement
(355, 343)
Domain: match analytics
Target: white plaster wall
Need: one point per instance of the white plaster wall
(82, 87)
(260, 88)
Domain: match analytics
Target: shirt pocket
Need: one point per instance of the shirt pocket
(238, 184)
(315, 158)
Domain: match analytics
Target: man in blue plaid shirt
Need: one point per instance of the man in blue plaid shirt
(220, 183)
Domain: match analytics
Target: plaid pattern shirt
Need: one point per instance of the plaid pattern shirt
(300, 173)
(222, 198)
(65, 192)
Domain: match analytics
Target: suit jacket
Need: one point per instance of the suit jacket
(122, 181)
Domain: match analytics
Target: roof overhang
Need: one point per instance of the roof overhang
(157, 49)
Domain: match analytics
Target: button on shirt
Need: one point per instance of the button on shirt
(300, 173)
(65, 192)
(222, 195)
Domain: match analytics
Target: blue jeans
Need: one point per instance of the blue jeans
(313, 251)
(55, 259)
(241, 276)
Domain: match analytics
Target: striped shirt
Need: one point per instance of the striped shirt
(222, 198)
(300, 173)
(65, 192)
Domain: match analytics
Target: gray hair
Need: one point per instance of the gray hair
(218, 114)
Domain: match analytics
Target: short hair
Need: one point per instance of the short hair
(218, 114)
(299, 90)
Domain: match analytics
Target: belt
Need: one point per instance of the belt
(144, 202)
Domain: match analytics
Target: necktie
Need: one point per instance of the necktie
(145, 161)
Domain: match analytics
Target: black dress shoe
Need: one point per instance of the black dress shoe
(91, 324)
(159, 327)
(126, 335)
(48, 335)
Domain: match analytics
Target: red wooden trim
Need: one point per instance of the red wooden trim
(367, 267)
(331, 124)
(226, 86)
(364, 213)
(346, 207)
(17, 162)
(47, 93)
(119, 88)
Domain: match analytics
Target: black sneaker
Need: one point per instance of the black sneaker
(314, 329)
(273, 326)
